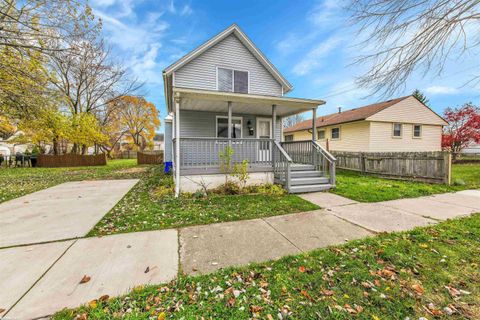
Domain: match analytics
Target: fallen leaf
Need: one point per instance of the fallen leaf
(162, 316)
(92, 304)
(147, 270)
(306, 295)
(418, 288)
(2, 310)
(231, 302)
(85, 279)
(255, 309)
(301, 269)
(104, 297)
(350, 309)
(328, 293)
(82, 316)
(269, 317)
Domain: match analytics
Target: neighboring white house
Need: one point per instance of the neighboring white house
(398, 125)
(473, 148)
(226, 93)
(159, 142)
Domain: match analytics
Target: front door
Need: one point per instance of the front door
(264, 131)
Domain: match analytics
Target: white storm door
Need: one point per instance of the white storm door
(264, 131)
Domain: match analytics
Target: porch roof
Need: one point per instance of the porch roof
(216, 101)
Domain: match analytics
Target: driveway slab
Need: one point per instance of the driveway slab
(66, 211)
(473, 193)
(312, 230)
(380, 218)
(327, 200)
(114, 264)
(462, 198)
(21, 267)
(204, 249)
(430, 208)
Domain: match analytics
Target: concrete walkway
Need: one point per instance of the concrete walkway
(66, 211)
(42, 279)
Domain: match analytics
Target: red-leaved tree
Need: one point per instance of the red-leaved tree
(463, 128)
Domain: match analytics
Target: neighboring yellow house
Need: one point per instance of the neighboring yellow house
(397, 125)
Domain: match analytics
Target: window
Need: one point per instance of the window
(417, 131)
(289, 137)
(229, 80)
(397, 130)
(222, 127)
(335, 133)
(321, 134)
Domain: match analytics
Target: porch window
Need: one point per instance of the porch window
(229, 80)
(417, 131)
(289, 137)
(335, 133)
(397, 130)
(222, 127)
(321, 135)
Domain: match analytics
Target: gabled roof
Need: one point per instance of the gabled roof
(356, 114)
(233, 29)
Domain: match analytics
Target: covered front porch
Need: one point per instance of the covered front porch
(205, 123)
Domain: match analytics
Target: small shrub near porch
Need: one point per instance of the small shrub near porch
(151, 205)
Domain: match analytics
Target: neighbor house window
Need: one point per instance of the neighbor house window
(222, 127)
(321, 134)
(335, 133)
(397, 130)
(417, 131)
(230, 80)
(289, 137)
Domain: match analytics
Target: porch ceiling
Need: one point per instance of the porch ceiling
(215, 101)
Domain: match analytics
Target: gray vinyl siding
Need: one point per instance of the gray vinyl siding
(168, 142)
(202, 124)
(201, 73)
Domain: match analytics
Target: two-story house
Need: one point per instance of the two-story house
(226, 93)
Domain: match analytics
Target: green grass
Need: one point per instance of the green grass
(390, 276)
(142, 209)
(367, 188)
(16, 182)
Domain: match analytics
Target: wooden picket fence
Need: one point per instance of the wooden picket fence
(70, 160)
(433, 167)
(155, 157)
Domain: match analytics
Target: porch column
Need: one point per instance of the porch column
(274, 121)
(177, 145)
(229, 119)
(314, 124)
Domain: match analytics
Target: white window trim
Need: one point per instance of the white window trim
(226, 117)
(413, 131)
(393, 130)
(339, 133)
(233, 78)
(324, 134)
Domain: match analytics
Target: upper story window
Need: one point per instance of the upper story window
(230, 80)
(417, 131)
(335, 133)
(397, 130)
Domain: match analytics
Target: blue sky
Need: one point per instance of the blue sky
(310, 42)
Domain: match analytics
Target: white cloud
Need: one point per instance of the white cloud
(433, 90)
(186, 11)
(313, 59)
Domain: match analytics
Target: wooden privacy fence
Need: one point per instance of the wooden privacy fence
(415, 166)
(71, 160)
(150, 157)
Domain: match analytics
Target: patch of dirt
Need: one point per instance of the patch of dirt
(134, 170)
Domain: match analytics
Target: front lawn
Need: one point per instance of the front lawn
(144, 209)
(429, 272)
(367, 188)
(17, 182)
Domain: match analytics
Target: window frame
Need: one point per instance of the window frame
(226, 117)
(339, 133)
(288, 135)
(318, 134)
(233, 79)
(393, 130)
(413, 131)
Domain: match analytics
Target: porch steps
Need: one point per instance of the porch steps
(304, 174)
(304, 178)
(308, 181)
(310, 188)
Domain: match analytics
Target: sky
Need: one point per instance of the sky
(310, 42)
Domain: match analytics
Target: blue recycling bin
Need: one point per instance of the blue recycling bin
(168, 167)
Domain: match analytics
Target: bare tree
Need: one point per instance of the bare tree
(293, 120)
(409, 35)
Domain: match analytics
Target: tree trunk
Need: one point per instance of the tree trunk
(84, 149)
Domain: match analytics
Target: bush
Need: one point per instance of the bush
(459, 182)
(228, 188)
(269, 189)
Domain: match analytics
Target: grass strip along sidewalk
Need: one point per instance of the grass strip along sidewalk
(431, 272)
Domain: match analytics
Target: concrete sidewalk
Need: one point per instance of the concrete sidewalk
(66, 211)
(44, 278)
